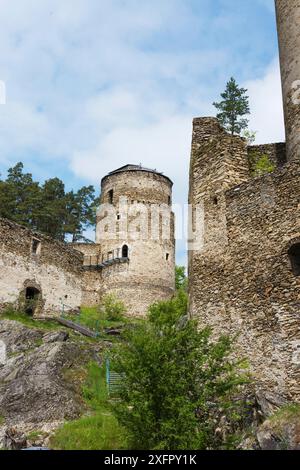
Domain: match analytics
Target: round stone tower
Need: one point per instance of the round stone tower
(288, 25)
(135, 229)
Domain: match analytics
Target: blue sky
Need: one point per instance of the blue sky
(95, 84)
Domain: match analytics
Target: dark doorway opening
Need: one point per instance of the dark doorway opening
(125, 251)
(294, 255)
(32, 296)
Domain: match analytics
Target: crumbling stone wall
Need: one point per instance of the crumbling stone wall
(262, 294)
(241, 278)
(33, 260)
(213, 170)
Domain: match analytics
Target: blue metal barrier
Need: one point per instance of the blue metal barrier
(113, 379)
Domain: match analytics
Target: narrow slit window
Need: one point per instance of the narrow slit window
(110, 196)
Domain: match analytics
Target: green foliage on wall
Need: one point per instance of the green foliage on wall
(261, 164)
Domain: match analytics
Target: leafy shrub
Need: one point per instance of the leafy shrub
(260, 164)
(180, 387)
(112, 308)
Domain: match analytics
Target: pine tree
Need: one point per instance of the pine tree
(233, 108)
(19, 197)
(47, 208)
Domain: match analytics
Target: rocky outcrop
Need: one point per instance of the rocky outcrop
(281, 431)
(40, 380)
(276, 424)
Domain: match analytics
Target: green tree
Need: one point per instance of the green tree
(233, 107)
(180, 278)
(53, 215)
(19, 197)
(178, 386)
(47, 208)
(81, 210)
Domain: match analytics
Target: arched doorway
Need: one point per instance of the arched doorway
(32, 297)
(125, 251)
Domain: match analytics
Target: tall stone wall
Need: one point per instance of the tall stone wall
(261, 291)
(288, 25)
(148, 271)
(218, 162)
(30, 260)
(241, 277)
(92, 289)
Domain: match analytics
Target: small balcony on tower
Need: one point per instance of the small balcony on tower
(99, 262)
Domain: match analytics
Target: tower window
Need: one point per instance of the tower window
(125, 251)
(294, 255)
(167, 256)
(110, 196)
(35, 246)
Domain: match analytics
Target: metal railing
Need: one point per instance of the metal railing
(94, 262)
(113, 380)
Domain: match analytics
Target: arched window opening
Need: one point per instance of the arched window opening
(110, 196)
(294, 255)
(125, 251)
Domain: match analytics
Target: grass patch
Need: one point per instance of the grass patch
(100, 429)
(26, 320)
(287, 413)
(96, 432)
(96, 320)
(2, 420)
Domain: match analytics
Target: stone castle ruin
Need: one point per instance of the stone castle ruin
(134, 254)
(133, 257)
(244, 268)
(245, 278)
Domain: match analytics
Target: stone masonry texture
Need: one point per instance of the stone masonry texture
(55, 270)
(149, 273)
(80, 274)
(244, 274)
(241, 279)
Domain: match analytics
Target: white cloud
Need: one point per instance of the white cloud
(266, 106)
(96, 84)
